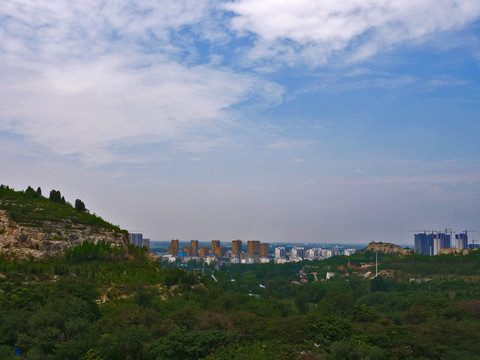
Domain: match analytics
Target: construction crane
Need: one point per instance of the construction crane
(466, 235)
(424, 231)
(449, 231)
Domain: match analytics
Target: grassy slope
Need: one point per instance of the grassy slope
(29, 209)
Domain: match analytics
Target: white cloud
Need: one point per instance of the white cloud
(83, 78)
(88, 108)
(46, 30)
(314, 31)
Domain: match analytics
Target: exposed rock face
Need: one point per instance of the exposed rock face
(387, 248)
(453, 251)
(51, 239)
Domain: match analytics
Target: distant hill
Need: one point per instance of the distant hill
(32, 225)
(387, 248)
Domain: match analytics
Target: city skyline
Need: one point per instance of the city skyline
(302, 121)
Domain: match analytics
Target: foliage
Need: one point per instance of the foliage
(80, 206)
(89, 251)
(104, 303)
(30, 208)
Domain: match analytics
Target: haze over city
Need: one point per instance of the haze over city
(305, 121)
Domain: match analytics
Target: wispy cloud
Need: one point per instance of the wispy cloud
(87, 108)
(83, 78)
(284, 144)
(315, 32)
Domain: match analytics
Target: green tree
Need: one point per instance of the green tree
(31, 193)
(80, 206)
(55, 196)
(126, 343)
(7, 353)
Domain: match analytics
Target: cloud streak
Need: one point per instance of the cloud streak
(315, 32)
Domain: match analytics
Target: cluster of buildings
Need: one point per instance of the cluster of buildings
(431, 242)
(300, 253)
(256, 252)
(137, 239)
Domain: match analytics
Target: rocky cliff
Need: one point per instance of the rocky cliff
(52, 238)
(387, 248)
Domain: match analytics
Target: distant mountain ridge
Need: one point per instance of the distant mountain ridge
(33, 226)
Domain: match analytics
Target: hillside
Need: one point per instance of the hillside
(33, 226)
(102, 303)
(387, 248)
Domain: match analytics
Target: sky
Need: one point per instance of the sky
(282, 121)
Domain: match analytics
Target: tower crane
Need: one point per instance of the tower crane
(466, 235)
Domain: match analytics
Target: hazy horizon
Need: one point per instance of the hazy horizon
(305, 121)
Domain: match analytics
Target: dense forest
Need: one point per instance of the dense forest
(99, 302)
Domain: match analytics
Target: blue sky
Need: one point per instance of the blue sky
(310, 121)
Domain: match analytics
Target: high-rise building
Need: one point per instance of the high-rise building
(280, 253)
(313, 253)
(461, 241)
(215, 244)
(445, 240)
(204, 251)
(430, 244)
(173, 248)
(424, 243)
(188, 251)
(136, 239)
(298, 252)
(264, 249)
(253, 247)
(194, 246)
(237, 247)
(146, 243)
(220, 251)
